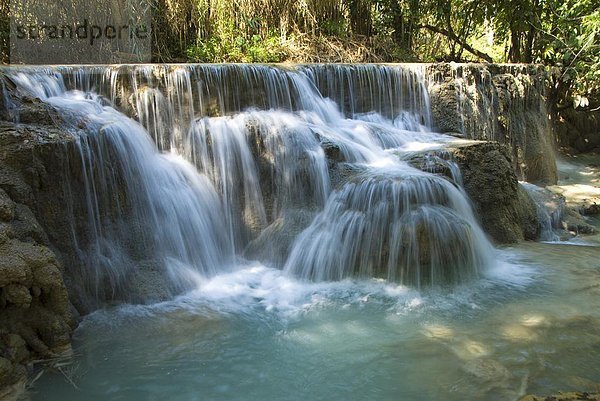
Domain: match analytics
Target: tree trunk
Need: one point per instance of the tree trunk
(514, 54)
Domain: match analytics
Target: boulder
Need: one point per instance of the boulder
(505, 210)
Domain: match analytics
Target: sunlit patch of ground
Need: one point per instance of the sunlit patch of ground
(579, 180)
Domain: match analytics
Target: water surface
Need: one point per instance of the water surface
(531, 326)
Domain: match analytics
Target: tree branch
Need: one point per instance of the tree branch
(461, 42)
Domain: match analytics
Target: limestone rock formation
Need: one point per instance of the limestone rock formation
(500, 103)
(36, 319)
(35, 315)
(507, 213)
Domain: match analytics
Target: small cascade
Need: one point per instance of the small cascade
(141, 204)
(397, 223)
(551, 209)
(220, 152)
(391, 92)
(262, 162)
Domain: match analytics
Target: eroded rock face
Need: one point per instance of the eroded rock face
(41, 172)
(35, 317)
(506, 211)
(499, 103)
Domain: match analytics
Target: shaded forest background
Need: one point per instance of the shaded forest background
(562, 34)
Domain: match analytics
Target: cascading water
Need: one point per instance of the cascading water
(261, 141)
(175, 218)
(295, 204)
(273, 150)
(396, 223)
(550, 210)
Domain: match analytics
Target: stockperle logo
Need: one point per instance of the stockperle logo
(80, 31)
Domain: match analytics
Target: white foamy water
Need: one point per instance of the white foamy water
(263, 153)
(256, 334)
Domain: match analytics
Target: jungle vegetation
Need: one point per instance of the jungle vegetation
(562, 34)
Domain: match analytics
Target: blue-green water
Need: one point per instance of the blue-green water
(531, 326)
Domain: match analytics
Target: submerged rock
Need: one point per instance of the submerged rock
(576, 224)
(486, 369)
(274, 243)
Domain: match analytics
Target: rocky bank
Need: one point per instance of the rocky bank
(36, 317)
(566, 396)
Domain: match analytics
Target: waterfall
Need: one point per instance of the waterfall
(188, 164)
(397, 223)
(550, 208)
(175, 213)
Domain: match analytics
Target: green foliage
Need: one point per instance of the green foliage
(570, 40)
(238, 50)
(560, 33)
